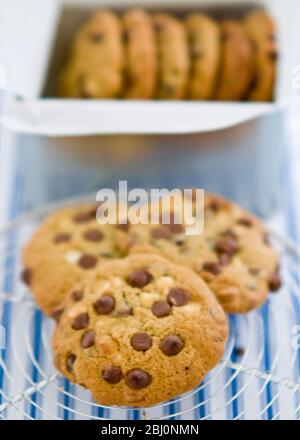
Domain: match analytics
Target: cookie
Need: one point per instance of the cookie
(261, 31)
(68, 245)
(173, 56)
(96, 61)
(238, 62)
(141, 57)
(205, 51)
(139, 331)
(232, 254)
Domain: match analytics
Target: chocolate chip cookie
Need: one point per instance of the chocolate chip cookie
(173, 57)
(139, 331)
(69, 244)
(261, 31)
(141, 57)
(205, 51)
(232, 254)
(95, 65)
(237, 66)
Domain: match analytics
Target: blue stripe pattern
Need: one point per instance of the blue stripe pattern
(236, 405)
(267, 360)
(36, 398)
(10, 260)
(291, 218)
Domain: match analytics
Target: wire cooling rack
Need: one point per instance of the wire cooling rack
(258, 377)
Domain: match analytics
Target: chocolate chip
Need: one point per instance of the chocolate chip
(139, 278)
(255, 80)
(123, 227)
(88, 339)
(26, 276)
(275, 282)
(141, 341)
(227, 246)
(179, 242)
(56, 314)
(85, 94)
(112, 375)
(125, 36)
(77, 295)
(160, 309)
(224, 259)
(81, 321)
(225, 35)
(93, 211)
(62, 238)
(197, 53)
(129, 80)
(212, 267)
(105, 305)
(171, 345)
(168, 89)
(93, 235)
(160, 233)
(273, 55)
(82, 217)
(176, 228)
(70, 362)
(95, 37)
(229, 233)
(137, 379)
(158, 27)
(178, 297)
(87, 261)
(213, 206)
(247, 222)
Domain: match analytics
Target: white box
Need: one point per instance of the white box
(232, 148)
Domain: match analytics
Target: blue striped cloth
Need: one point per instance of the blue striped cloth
(256, 380)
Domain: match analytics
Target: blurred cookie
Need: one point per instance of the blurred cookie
(237, 67)
(68, 245)
(139, 331)
(232, 254)
(141, 57)
(173, 57)
(261, 31)
(96, 61)
(205, 51)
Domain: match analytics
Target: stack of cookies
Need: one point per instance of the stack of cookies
(140, 310)
(160, 56)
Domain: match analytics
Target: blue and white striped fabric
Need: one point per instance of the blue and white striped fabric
(259, 348)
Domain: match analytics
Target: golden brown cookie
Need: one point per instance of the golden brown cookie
(232, 254)
(261, 31)
(205, 50)
(95, 64)
(68, 245)
(173, 56)
(238, 62)
(139, 331)
(141, 56)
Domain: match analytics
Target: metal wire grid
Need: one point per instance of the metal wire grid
(258, 377)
